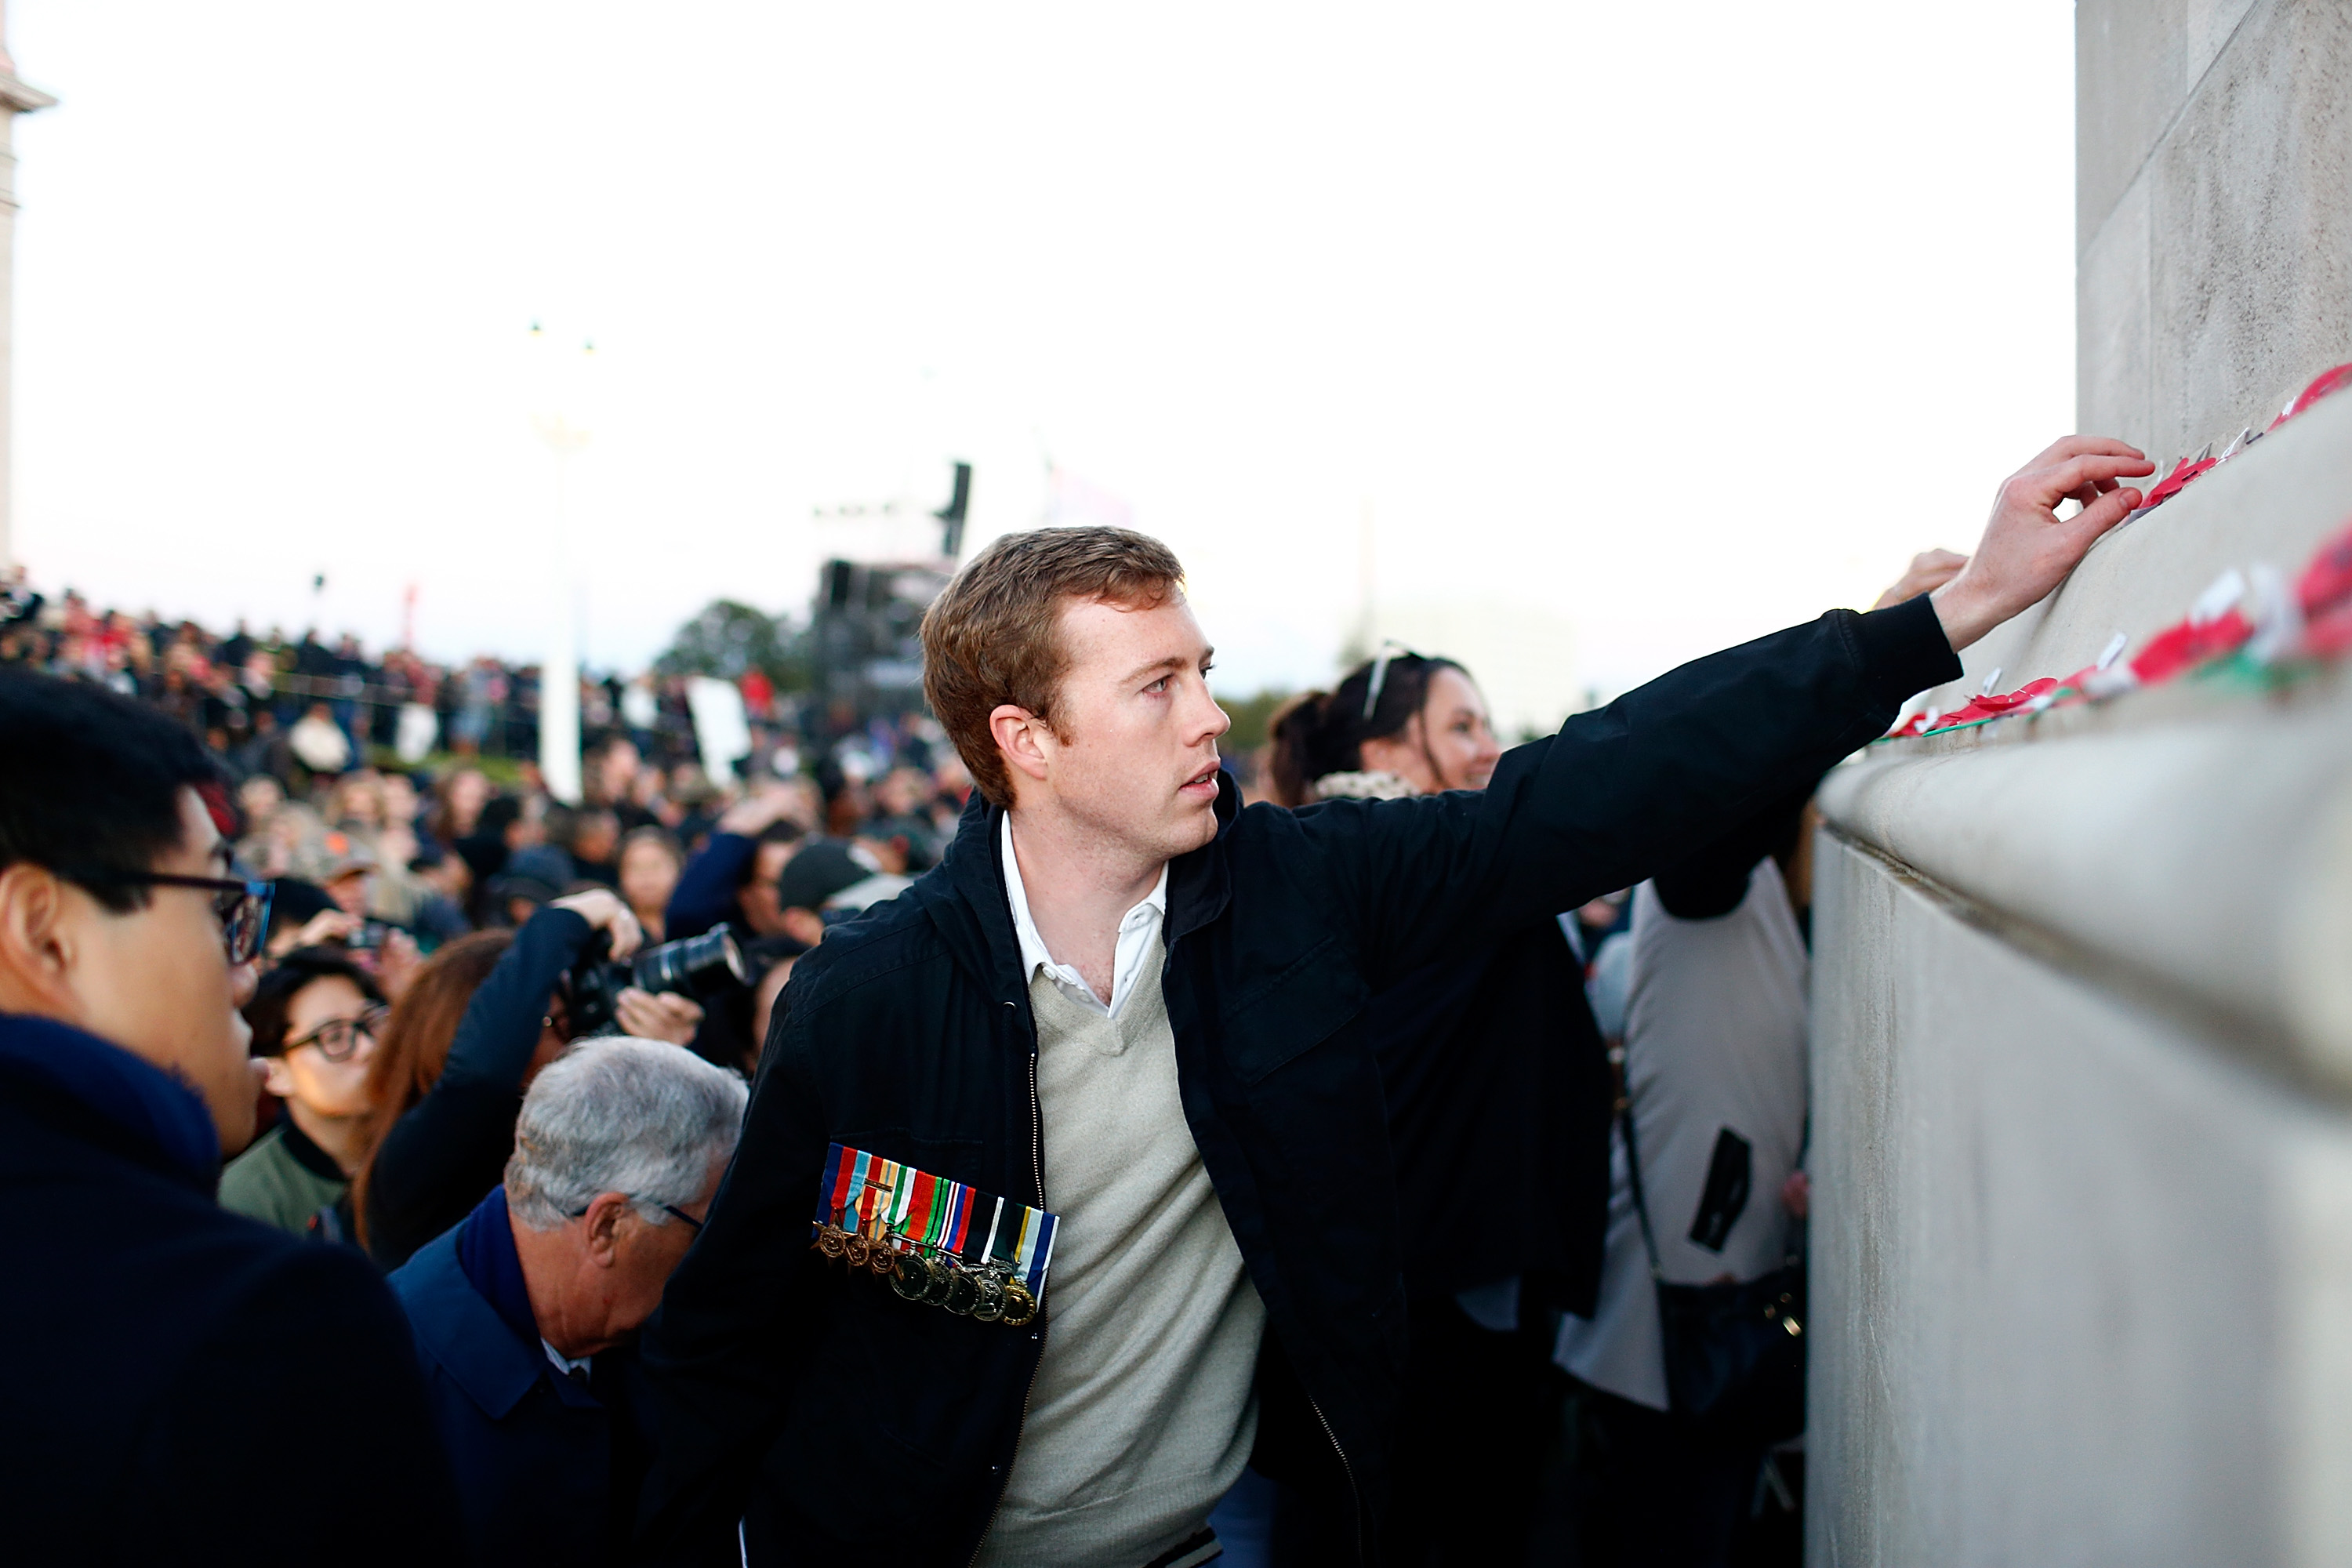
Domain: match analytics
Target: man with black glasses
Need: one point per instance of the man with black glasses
(164, 1350)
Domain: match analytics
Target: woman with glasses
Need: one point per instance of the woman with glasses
(315, 1019)
(1498, 1096)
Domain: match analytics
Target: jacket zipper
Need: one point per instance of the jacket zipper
(1037, 1167)
(1354, 1499)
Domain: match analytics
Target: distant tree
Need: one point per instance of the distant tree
(730, 639)
(1251, 715)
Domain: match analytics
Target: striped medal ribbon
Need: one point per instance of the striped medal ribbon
(931, 1216)
(832, 1198)
(1031, 1253)
(870, 1246)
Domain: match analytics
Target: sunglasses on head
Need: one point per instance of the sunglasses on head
(1390, 649)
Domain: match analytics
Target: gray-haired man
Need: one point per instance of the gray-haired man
(526, 1313)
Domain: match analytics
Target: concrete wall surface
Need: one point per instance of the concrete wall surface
(2213, 223)
(2082, 1277)
(2082, 1060)
(2082, 1090)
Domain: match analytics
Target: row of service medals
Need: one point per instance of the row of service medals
(915, 1230)
(989, 1294)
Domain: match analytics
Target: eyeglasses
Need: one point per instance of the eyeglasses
(337, 1039)
(670, 1209)
(1390, 649)
(240, 904)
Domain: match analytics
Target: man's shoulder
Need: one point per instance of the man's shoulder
(886, 940)
(1278, 856)
(178, 1344)
(289, 1276)
(154, 1270)
(431, 1283)
(460, 1338)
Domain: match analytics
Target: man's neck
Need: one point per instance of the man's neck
(342, 1139)
(549, 1260)
(1080, 888)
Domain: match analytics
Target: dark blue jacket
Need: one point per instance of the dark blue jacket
(547, 1470)
(706, 891)
(186, 1384)
(856, 1425)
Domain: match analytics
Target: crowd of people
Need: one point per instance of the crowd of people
(301, 708)
(1395, 1187)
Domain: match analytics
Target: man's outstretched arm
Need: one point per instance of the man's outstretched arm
(1622, 792)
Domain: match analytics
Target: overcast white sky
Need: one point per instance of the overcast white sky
(1682, 321)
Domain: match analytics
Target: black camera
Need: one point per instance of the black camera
(696, 967)
(371, 937)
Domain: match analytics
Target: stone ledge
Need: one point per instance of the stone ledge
(2212, 857)
(2197, 835)
(2277, 501)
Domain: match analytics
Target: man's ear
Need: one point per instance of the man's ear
(276, 1079)
(600, 1226)
(1020, 736)
(804, 926)
(38, 943)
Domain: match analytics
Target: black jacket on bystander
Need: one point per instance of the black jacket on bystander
(186, 1385)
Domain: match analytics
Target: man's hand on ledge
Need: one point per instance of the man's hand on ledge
(2027, 550)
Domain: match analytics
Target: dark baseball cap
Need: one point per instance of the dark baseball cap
(818, 869)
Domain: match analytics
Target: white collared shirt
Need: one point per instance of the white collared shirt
(1139, 939)
(564, 1364)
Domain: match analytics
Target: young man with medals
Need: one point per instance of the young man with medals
(1064, 1188)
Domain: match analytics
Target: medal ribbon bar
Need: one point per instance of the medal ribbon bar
(940, 1241)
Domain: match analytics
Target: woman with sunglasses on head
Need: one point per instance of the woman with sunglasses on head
(315, 1019)
(1499, 1094)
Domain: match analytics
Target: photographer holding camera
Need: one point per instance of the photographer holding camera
(449, 1148)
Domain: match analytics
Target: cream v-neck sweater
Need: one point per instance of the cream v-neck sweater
(1143, 1413)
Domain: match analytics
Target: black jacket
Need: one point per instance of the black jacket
(849, 1421)
(179, 1374)
(1500, 1096)
(451, 1147)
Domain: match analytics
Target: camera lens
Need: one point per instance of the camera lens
(693, 964)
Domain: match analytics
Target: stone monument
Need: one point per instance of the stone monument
(2083, 1003)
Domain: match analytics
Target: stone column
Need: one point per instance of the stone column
(16, 99)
